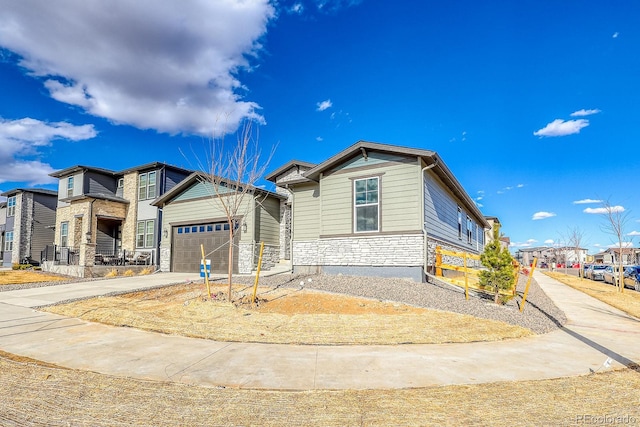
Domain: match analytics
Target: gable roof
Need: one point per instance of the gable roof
(196, 177)
(80, 168)
(429, 157)
(273, 175)
(155, 165)
(42, 191)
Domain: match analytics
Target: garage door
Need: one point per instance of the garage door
(186, 255)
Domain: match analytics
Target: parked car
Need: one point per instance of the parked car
(585, 267)
(611, 274)
(632, 277)
(596, 272)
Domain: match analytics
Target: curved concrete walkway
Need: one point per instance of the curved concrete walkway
(594, 333)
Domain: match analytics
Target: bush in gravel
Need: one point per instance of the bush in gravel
(499, 273)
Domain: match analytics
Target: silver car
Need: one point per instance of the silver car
(611, 274)
(596, 272)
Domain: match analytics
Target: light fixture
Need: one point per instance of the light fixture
(244, 227)
(165, 232)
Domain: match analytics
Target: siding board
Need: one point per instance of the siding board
(306, 212)
(399, 198)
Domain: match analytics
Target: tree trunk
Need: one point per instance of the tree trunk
(230, 271)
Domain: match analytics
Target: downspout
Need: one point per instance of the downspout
(293, 196)
(424, 224)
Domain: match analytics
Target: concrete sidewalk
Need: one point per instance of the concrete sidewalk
(595, 332)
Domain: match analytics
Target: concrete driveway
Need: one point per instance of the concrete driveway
(594, 334)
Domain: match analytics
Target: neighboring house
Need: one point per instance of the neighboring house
(505, 242)
(3, 226)
(29, 217)
(377, 209)
(104, 216)
(612, 256)
(193, 216)
(548, 255)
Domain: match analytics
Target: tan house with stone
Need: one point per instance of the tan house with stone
(376, 209)
(106, 217)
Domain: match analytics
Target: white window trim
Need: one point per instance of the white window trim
(8, 241)
(143, 191)
(355, 206)
(64, 236)
(11, 207)
(469, 230)
(70, 185)
(144, 233)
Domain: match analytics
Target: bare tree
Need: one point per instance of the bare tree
(615, 224)
(575, 237)
(233, 170)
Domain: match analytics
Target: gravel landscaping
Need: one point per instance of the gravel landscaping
(540, 314)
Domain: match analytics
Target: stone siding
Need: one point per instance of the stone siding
(270, 256)
(245, 258)
(130, 193)
(165, 258)
(285, 229)
(447, 259)
(388, 251)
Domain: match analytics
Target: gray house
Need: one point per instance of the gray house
(3, 226)
(29, 218)
(192, 217)
(106, 217)
(376, 209)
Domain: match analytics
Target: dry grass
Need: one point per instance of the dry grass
(286, 316)
(19, 277)
(627, 301)
(54, 397)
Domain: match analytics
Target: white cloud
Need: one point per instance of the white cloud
(519, 185)
(542, 215)
(612, 209)
(583, 112)
(532, 241)
(615, 35)
(586, 201)
(319, 139)
(168, 66)
(634, 233)
(324, 105)
(19, 144)
(617, 245)
(560, 127)
(297, 9)
(549, 242)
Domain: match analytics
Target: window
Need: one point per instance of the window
(145, 234)
(120, 182)
(70, 186)
(64, 234)
(11, 206)
(147, 186)
(366, 204)
(8, 241)
(469, 230)
(459, 223)
(150, 234)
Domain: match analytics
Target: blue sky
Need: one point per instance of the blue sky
(533, 105)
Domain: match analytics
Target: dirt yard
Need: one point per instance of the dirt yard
(286, 316)
(35, 395)
(19, 277)
(39, 395)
